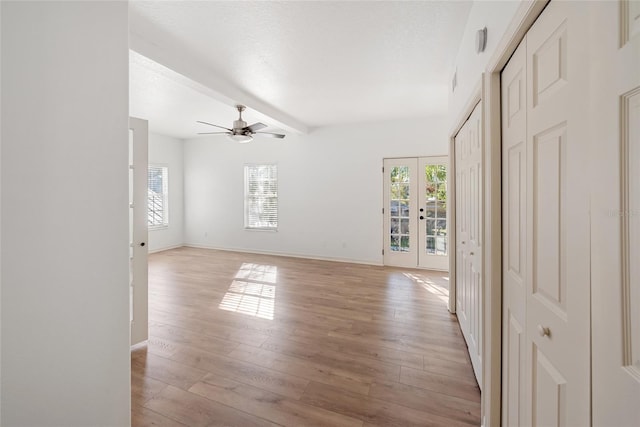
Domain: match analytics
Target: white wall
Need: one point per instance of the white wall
(330, 188)
(496, 16)
(65, 295)
(0, 220)
(167, 151)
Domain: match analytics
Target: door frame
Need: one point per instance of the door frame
(488, 91)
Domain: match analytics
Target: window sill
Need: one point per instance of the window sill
(273, 230)
(158, 227)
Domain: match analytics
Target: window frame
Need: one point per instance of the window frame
(247, 226)
(165, 196)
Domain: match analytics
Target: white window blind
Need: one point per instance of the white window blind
(157, 200)
(261, 197)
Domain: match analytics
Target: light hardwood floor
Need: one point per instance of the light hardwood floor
(243, 339)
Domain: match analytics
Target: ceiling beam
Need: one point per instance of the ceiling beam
(177, 63)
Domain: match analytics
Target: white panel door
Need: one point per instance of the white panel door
(514, 232)
(138, 248)
(546, 244)
(558, 283)
(468, 157)
(615, 204)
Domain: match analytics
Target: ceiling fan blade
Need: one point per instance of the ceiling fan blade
(211, 124)
(271, 135)
(256, 126)
(213, 133)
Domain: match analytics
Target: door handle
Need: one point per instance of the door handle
(544, 331)
(142, 243)
(421, 217)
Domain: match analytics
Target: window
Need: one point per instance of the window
(261, 197)
(157, 202)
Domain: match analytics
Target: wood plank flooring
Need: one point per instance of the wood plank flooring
(254, 340)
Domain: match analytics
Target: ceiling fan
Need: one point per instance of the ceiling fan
(241, 132)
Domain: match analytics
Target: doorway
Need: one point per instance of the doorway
(415, 212)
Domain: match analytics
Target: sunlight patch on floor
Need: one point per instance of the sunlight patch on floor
(258, 272)
(255, 294)
(441, 291)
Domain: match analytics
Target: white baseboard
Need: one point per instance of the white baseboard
(283, 254)
(166, 248)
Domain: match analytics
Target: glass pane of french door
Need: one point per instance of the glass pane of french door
(400, 208)
(436, 209)
(433, 220)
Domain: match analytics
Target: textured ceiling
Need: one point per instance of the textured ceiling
(319, 63)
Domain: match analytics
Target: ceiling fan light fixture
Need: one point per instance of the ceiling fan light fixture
(240, 138)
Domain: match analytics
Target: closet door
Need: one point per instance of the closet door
(468, 152)
(514, 230)
(558, 291)
(554, 341)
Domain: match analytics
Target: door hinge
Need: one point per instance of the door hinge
(382, 211)
(383, 169)
(383, 252)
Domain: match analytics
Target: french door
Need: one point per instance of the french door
(415, 212)
(138, 229)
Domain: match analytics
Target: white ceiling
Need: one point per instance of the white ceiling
(302, 64)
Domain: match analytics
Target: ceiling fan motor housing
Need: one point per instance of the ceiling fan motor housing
(238, 127)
